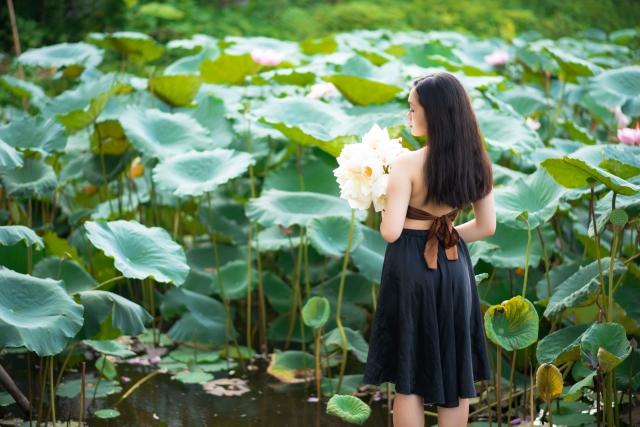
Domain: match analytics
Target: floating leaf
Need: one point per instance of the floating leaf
(329, 235)
(110, 348)
(72, 388)
(288, 208)
(548, 381)
(12, 234)
(194, 173)
(288, 367)
(194, 377)
(107, 413)
(184, 354)
(348, 408)
(512, 324)
(37, 313)
(315, 312)
(138, 251)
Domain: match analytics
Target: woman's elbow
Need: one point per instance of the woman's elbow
(389, 235)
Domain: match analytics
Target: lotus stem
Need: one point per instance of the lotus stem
(499, 384)
(152, 297)
(135, 386)
(176, 221)
(299, 295)
(249, 345)
(549, 409)
(614, 246)
(492, 404)
(64, 365)
(374, 297)
(339, 307)
(558, 110)
(43, 384)
(596, 238)
(30, 388)
(531, 391)
(318, 388)
(489, 411)
(307, 284)
(263, 311)
(84, 367)
(546, 260)
(299, 167)
(610, 398)
(526, 263)
(29, 251)
(52, 392)
(16, 44)
(630, 386)
(598, 390)
(513, 368)
(296, 289)
(104, 169)
(222, 295)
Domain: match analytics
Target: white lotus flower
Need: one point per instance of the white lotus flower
(532, 123)
(379, 192)
(371, 170)
(375, 137)
(321, 90)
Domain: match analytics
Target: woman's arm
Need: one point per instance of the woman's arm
(398, 195)
(484, 223)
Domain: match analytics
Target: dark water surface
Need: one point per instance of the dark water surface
(175, 404)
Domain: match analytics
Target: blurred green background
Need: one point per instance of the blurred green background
(45, 22)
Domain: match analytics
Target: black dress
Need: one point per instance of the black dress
(428, 336)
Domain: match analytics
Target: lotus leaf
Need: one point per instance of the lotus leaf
(575, 392)
(194, 377)
(35, 134)
(210, 113)
(81, 55)
(315, 312)
(110, 348)
(184, 354)
(114, 165)
(163, 135)
(106, 368)
(615, 87)
(75, 277)
(288, 208)
(581, 288)
(140, 252)
(23, 89)
(288, 366)
(355, 342)
(36, 313)
(140, 47)
(194, 173)
(12, 234)
(548, 381)
(503, 132)
(348, 408)
(277, 291)
(622, 373)
(360, 91)
(9, 157)
(369, 255)
(512, 324)
(278, 330)
(34, 177)
(235, 280)
(317, 176)
(329, 235)
(273, 239)
(512, 247)
(177, 90)
(72, 388)
(229, 69)
(571, 65)
(604, 345)
(357, 288)
(561, 346)
(107, 413)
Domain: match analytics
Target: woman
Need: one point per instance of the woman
(428, 336)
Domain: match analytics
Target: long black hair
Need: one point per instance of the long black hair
(457, 170)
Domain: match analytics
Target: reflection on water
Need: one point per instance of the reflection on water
(162, 401)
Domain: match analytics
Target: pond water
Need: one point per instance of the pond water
(161, 401)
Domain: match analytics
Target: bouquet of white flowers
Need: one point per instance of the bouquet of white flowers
(363, 173)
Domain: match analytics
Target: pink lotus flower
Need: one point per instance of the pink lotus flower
(267, 57)
(498, 57)
(623, 120)
(321, 90)
(125, 379)
(532, 123)
(629, 136)
(312, 399)
(155, 360)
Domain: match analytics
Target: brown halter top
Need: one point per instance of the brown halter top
(441, 229)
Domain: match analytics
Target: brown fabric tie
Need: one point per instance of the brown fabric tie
(441, 229)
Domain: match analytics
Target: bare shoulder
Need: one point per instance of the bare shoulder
(409, 159)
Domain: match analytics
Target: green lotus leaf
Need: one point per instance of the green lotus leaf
(278, 330)
(573, 173)
(615, 87)
(197, 311)
(503, 132)
(229, 69)
(312, 122)
(163, 135)
(194, 377)
(23, 89)
(138, 251)
(5, 399)
(184, 354)
(273, 239)
(357, 288)
(194, 173)
(288, 208)
(108, 138)
(9, 157)
(139, 47)
(277, 291)
(35, 134)
(620, 161)
(525, 100)
(350, 383)
(575, 392)
(581, 288)
(245, 352)
(108, 316)
(286, 76)
(323, 45)
(361, 91)
(72, 388)
(317, 176)
(81, 55)
(349, 408)
(539, 194)
(577, 133)
(234, 280)
(480, 249)
(512, 324)
(329, 235)
(288, 366)
(571, 65)
(355, 342)
(549, 381)
(220, 365)
(80, 107)
(159, 10)
(561, 346)
(148, 338)
(177, 90)
(110, 348)
(107, 413)
(369, 255)
(113, 167)
(75, 277)
(106, 368)
(622, 373)
(315, 312)
(34, 177)
(604, 345)
(36, 313)
(12, 234)
(210, 113)
(191, 64)
(512, 247)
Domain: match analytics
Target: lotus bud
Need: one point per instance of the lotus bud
(633, 343)
(532, 123)
(137, 168)
(287, 230)
(321, 90)
(498, 57)
(623, 120)
(90, 190)
(630, 136)
(268, 57)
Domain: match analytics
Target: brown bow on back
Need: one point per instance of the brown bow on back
(441, 229)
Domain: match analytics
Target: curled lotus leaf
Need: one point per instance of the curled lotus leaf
(348, 408)
(12, 234)
(34, 134)
(177, 90)
(63, 55)
(562, 345)
(315, 312)
(360, 91)
(512, 324)
(549, 381)
(140, 47)
(288, 366)
(23, 89)
(9, 157)
(604, 345)
(228, 69)
(34, 177)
